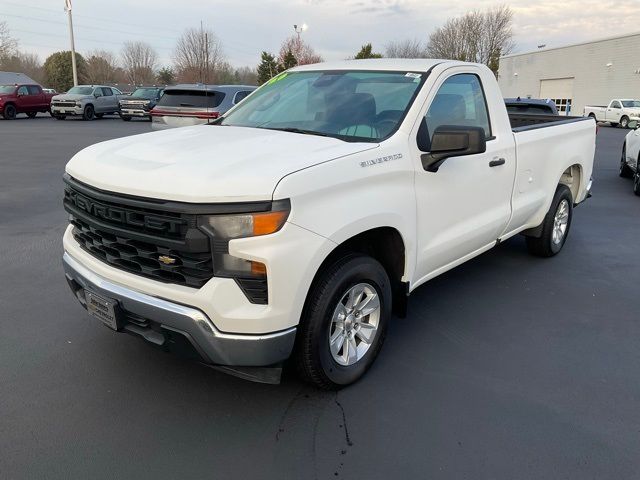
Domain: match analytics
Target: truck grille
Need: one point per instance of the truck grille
(164, 246)
(64, 104)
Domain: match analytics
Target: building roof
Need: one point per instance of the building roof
(597, 40)
(11, 78)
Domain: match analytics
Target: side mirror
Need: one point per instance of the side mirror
(633, 124)
(452, 141)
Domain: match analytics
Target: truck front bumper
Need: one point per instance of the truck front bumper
(178, 327)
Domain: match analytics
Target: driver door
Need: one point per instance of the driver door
(464, 206)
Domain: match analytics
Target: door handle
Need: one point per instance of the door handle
(497, 162)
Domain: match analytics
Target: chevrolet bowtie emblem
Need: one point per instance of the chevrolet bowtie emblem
(167, 260)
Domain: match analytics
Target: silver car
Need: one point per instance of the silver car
(87, 101)
(195, 104)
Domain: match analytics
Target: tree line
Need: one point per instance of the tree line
(198, 57)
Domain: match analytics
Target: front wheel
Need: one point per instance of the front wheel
(10, 112)
(624, 122)
(88, 113)
(625, 171)
(344, 322)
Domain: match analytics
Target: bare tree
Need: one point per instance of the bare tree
(302, 51)
(8, 44)
(477, 36)
(410, 48)
(198, 56)
(102, 67)
(139, 61)
(23, 62)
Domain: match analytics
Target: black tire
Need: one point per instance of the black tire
(32, 114)
(614, 125)
(624, 122)
(126, 119)
(88, 113)
(9, 112)
(625, 171)
(314, 360)
(99, 115)
(636, 179)
(60, 117)
(545, 246)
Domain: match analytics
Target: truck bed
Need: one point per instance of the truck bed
(522, 122)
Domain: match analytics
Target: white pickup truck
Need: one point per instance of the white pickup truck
(294, 225)
(618, 112)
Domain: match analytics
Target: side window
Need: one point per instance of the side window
(34, 90)
(107, 92)
(23, 90)
(241, 96)
(460, 101)
(97, 92)
(616, 105)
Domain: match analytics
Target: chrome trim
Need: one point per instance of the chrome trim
(216, 347)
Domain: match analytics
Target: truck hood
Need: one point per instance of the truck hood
(71, 97)
(205, 163)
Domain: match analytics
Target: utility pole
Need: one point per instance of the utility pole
(73, 46)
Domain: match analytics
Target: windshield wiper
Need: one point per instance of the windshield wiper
(298, 130)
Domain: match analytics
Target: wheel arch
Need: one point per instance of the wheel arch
(572, 178)
(388, 247)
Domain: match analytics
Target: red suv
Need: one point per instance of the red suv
(29, 99)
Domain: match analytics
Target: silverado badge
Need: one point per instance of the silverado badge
(167, 260)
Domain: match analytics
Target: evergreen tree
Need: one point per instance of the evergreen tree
(268, 68)
(367, 52)
(288, 61)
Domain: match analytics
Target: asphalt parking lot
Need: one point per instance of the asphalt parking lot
(508, 367)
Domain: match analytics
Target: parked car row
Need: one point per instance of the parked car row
(176, 106)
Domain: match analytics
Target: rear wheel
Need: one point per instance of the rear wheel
(624, 122)
(88, 113)
(32, 114)
(344, 322)
(625, 171)
(555, 226)
(10, 112)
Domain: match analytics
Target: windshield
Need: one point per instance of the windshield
(349, 105)
(147, 93)
(81, 91)
(7, 88)
(631, 103)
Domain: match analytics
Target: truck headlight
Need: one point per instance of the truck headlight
(78, 104)
(224, 228)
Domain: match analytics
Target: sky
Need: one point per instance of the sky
(336, 28)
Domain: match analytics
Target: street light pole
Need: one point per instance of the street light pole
(73, 46)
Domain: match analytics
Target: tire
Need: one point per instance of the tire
(624, 122)
(60, 117)
(636, 179)
(126, 119)
(625, 171)
(315, 361)
(88, 113)
(593, 115)
(32, 114)
(614, 125)
(9, 112)
(555, 226)
(99, 115)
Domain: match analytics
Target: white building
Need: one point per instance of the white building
(589, 73)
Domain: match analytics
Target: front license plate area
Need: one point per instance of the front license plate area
(103, 309)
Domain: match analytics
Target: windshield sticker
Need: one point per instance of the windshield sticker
(277, 78)
(375, 161)
(413, 75)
